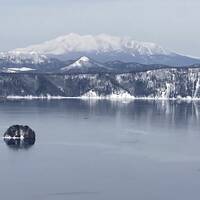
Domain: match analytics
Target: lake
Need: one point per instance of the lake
(102, 150)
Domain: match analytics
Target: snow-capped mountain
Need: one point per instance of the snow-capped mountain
(105, 48)
(100, 44)
(85, 65)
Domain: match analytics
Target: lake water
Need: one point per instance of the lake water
(102, 150)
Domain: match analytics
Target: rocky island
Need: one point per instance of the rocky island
(19, 136)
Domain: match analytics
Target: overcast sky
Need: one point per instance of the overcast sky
(174, 24)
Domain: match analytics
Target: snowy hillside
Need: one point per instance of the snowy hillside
(84, 65)
(161, 83)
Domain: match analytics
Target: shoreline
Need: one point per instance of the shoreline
(121, 98)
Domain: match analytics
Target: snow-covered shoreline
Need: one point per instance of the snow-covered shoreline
(110, 97)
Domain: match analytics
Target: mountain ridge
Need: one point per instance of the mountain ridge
(82, 65)
(154, 84)
(98, 43)
(104, 48)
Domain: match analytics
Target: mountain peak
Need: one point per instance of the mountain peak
(82, 62)
(84, 59)
(85, 64)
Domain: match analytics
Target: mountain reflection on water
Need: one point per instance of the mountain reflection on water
(172, 110)
(147, 109)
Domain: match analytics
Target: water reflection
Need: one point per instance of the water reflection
(126, 146)
(161, 113)
(16, 144)
(172, 114)
(139, 107)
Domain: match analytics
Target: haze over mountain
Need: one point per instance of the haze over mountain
(105, 48)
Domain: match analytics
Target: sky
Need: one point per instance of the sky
(174, 24)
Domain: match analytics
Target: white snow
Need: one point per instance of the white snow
(31, 97)
(83, 61)
(166, 93)
(121, 94)
(22, 69)
(99, 43)
(92, 95)
(197, 88)
(117, 95)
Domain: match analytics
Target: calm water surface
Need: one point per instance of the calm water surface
(102, 150)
